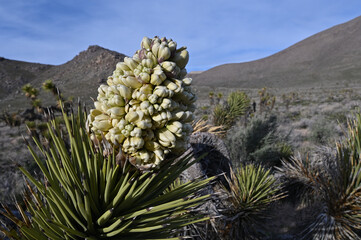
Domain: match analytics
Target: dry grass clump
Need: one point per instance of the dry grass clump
(203, 126)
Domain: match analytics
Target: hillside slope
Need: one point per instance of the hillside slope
(16, 73)
(79, 77)
(331, 57)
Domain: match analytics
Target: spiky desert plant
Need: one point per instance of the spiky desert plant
(340, 192)
(211, 98)
(238, 103)
(10, 119)
(299, 177)
(266, 101)
(48, 85)
(30, 91)
(146, 108)
(219, 97)
(90, 192)
(251, 189)
(336, 182)
(220, 117)
(236, 106)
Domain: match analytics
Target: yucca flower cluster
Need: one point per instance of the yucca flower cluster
(146, 107)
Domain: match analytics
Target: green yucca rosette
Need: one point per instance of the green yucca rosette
(146, 107)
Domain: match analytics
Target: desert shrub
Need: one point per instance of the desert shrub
(321, 132)
(266, 101)
(259, 142)
(10, 119)
(294, 115)
(339, 117)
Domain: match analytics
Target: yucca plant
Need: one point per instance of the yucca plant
(236, 106)
(90, 192)
(340, 194)
(299, 176)
(48, 85)
(336, 183)
(220, 117)
(30, 91)
(251, 189)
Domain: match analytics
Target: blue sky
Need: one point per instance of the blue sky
(215, 31)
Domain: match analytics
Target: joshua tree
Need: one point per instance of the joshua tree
(266, 100)
(211, 98)
(219, 97)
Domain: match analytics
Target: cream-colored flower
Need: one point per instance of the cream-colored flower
(147, 104)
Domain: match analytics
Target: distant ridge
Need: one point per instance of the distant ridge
(331, 57)
(79, 77)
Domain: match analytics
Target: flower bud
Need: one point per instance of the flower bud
(161, 91)
(131, 116)
(132, 82)
(175, 127)
(152, 146)
(155, 48)
(172, 45)
(170, 85)
(187, 81)
(116, 112)
(148, 63)
(181, 58)
(168, 66)
(103, 125)
(145, 43)
(156, 79)
(136, 132)
(124, 91)
(163, 52)
(131, 63)
(95, 112)
(153, 98)
(123, 66)
(166, 103)
(151, 56)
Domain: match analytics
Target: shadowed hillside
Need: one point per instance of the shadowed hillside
(16, 73)
(79, 77)
(325, 59)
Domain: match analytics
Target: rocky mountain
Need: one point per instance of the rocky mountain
(79, 77)
(329, 58)
(16, 73)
